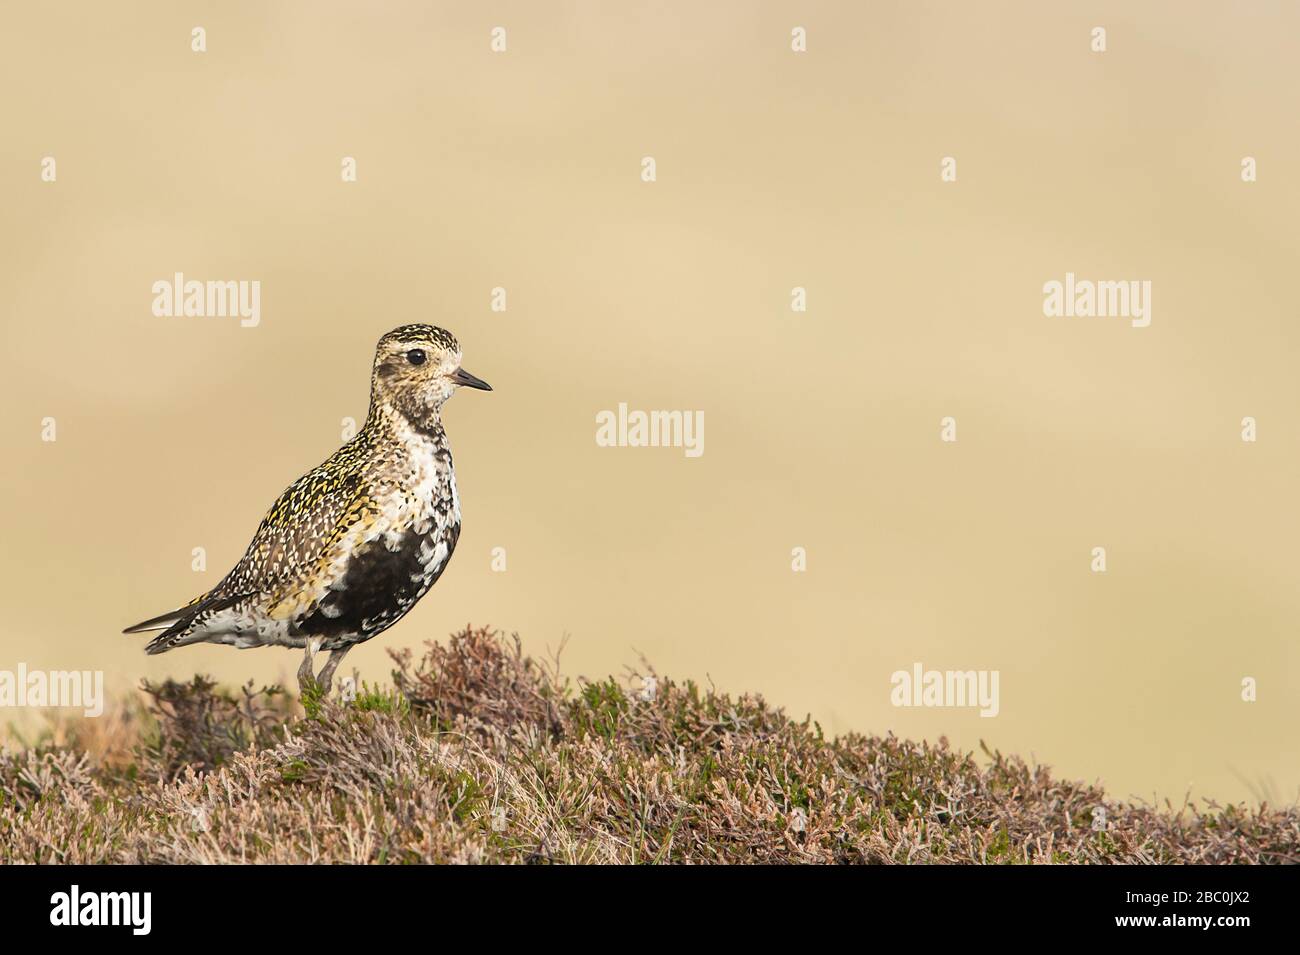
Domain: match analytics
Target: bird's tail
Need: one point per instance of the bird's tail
(160, 622)
(177, 625)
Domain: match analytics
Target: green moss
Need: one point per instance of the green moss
(601, 709)
(311, 698)
(999, 849)
(380, 700)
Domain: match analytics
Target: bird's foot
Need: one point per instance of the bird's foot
(326, 676)
(317, 687)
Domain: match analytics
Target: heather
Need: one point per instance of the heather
(475, 752)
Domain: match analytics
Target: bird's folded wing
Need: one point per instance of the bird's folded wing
(289, 561)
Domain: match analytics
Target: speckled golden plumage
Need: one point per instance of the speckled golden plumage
(350, 546)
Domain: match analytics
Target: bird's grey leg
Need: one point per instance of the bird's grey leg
(327, 672)
(305, 678)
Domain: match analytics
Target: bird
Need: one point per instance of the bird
(351, 546)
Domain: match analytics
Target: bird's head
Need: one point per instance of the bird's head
(417, 368)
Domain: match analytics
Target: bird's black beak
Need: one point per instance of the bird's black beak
(462, 377)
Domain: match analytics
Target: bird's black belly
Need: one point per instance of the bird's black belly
(377, 589)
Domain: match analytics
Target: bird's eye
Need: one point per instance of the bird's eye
(415, 356)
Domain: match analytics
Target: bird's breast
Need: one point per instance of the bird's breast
(384, 567)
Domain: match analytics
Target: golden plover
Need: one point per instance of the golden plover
(350, 547)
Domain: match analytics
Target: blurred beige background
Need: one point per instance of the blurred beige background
(775, 170)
